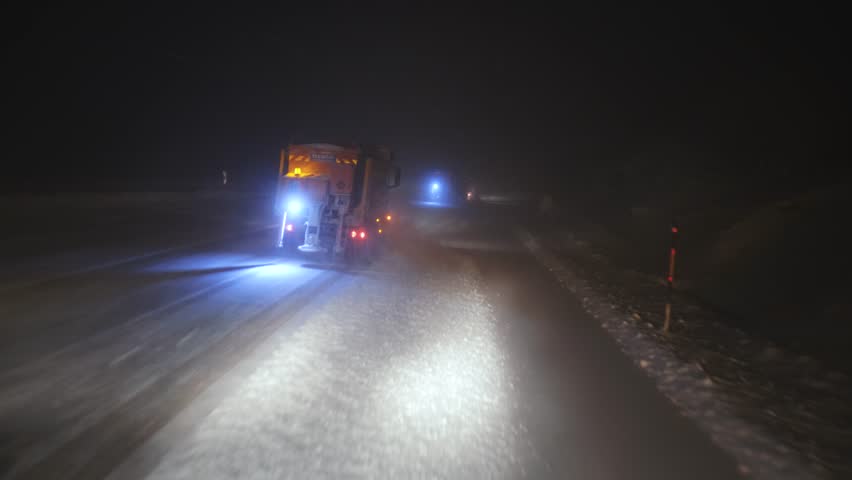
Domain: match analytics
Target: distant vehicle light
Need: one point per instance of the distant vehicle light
(469, 195)
(294, 207)
(436, 186)
(388, 218)
(354, 234)
(380, 231)
(363, 235)
(378, 220)
(289, 227)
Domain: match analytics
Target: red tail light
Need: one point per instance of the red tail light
(354, 234)
(363, 235)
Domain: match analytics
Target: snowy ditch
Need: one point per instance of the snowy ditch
(699, 394)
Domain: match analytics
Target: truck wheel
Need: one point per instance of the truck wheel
(368, 252)
(348, 253)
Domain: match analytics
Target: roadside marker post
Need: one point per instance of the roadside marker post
(670, 277)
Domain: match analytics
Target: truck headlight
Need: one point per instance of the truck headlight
(294, 206)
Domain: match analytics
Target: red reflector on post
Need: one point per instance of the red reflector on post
(670, 279)
(674, 229)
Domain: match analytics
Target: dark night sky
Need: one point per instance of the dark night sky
(118, 93)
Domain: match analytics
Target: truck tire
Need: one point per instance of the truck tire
(348, 253)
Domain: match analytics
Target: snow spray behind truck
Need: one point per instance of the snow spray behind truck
(333, 199)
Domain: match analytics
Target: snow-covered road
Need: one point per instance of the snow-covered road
(454, 356)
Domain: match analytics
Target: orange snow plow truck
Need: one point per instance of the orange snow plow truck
(334, 199)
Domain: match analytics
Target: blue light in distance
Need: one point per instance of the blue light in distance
(436, 186)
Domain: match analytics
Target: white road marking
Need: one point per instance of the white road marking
(124, 356)
(40, 362)
(122, 261)
(483, 246)
(187, 337)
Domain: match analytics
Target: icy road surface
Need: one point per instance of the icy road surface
(454, 356)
